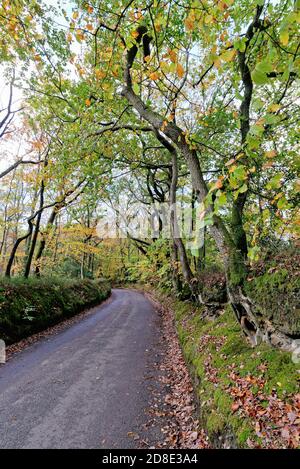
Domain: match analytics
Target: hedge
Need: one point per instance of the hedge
(30, 306)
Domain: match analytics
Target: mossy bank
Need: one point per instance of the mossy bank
(244, 393)
(30, 306)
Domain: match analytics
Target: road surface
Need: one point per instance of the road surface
(88, 386)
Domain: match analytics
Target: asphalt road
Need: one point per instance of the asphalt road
(88, 386)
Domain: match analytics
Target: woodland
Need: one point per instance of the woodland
(172, 105)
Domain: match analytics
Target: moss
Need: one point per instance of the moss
(276, 293)
(29, 306)
(237, 271)
(215, 422)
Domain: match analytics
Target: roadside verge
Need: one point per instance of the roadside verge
(247, 398)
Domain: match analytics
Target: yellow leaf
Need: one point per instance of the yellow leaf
(164, 66)
(134, 34)
(75, 15)
(222, 6)
(278, 196)
(69, 37)
(284, 37)
(217, 63)
(180, 70)
(209, 19)
(274, 107)
(267, 165)
(270, 154)
(228, 55)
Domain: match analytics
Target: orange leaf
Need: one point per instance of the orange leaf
(180, 70)
(217, 185)
(154, 76)
(189, 23)
(173, 56)
(99, 74)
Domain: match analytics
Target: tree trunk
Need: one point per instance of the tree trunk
(15, 248)
(42, 244)
(180, 248)
(35, 233)
(176, 281)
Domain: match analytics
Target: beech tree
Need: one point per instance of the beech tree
(202, 74)
(168, 95)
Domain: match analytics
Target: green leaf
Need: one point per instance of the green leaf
(240, 173)
(240, 45)
(136, 88)
(265, 66)
(195, 252)
(275, 182)
(253, 141)
(243, 188)
(253, 253)
(283, 204)
(259, 77)
(222, 199)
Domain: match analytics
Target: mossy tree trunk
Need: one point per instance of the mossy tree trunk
(178, 244)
